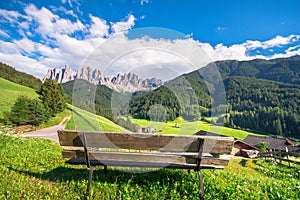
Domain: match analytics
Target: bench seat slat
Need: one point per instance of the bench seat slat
(151, 158)
(140, 164)
(143, 142)
(162, 142)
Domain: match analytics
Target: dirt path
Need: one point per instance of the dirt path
(48, 133)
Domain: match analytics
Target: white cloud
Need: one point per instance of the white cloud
(70, 2)
(64, 10)
(219, 28)
(25, 45)
(274, 42)
(124, 25)
(50, 23)
(143, 55)
(3, 33)
(144, 2)
(24, 63)
(277, 41)
(10, 16)
(8, 47)
(99, 27)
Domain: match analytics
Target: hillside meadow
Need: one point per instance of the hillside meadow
(33, 168)
(187, 127)
(84, 120)
(10, 92)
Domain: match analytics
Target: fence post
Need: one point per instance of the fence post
(287, 155)
(280, 157)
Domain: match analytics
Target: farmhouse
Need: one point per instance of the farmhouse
(240, 147)
(274, 143)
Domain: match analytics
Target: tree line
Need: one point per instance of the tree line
(9, 73)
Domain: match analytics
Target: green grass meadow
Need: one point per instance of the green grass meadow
(33, 168)
(10, 92)
(83, 120)
(186, 127)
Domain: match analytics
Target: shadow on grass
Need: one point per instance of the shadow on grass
(66, 174)
(243, 162)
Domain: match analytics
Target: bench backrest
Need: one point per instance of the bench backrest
(180, 149)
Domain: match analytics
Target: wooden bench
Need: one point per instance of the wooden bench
(94, 148)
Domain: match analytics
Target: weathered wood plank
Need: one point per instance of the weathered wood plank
(165, 142)
(145, 165)
(146, 157)
(144, 142)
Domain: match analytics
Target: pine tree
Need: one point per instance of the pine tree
(53, 97)
(28, 111)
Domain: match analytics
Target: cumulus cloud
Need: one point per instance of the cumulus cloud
(123, 26)
(3, 33)
(50, 23)
(278, 41)
(10, 16)
(99, 27)
(64, 11)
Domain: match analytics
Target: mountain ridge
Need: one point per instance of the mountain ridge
(127, 82)
(286, 70)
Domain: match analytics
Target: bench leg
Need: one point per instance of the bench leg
(105, 169)
(90, 180)
(201, 184)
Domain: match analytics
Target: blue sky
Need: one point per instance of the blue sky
(38, 35)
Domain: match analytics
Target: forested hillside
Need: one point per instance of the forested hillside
(254, 101)
(87, 96)
(9, 73)
(263, 105)
(285, 70)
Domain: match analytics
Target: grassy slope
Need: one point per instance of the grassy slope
(84, 120)
(192, 127)
(10, 92)
(32, 168)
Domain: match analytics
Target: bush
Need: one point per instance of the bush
(262, 146)
(28, 111)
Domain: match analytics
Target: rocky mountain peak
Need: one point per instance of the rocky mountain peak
(127, 82)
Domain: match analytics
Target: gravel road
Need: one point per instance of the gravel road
(48, 133)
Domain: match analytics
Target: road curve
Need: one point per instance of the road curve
(48, 133)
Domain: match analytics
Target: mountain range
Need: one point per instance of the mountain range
(128, 82)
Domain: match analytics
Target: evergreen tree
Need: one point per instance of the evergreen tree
(19, 112)
(53, 97)
(28, 111)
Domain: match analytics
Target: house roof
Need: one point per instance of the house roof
(205, 133)
(245, 144)
(273, 142)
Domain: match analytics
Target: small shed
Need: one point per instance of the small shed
(146, 129)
